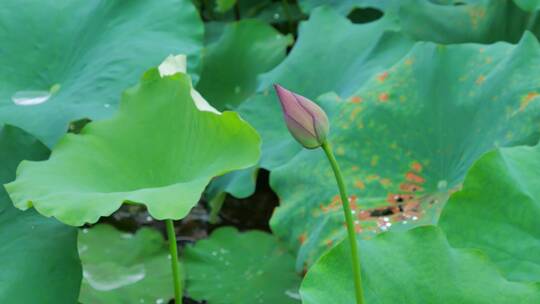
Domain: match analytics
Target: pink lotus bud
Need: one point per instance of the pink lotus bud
(306, 121)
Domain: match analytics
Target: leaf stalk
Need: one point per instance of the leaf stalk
(357, 272)
(177, 280)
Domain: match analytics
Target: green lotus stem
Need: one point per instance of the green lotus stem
(215, 207)
(171, 235)
(357, 273)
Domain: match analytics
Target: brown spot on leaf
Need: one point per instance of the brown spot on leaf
(398, 198)
(356, 99)
(412, 177)
(407, 187)
(359, 184)
(416, 166)
(363, 215)
(383, 97)
(382, 77)
(480, 80)
(302, 238)
(525, 100)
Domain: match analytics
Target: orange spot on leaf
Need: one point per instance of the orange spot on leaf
(356, 99)
(383, 97)
(527, 99)
(363, 215)
(329, 243)
(406, 187)
(382, 77)
(359, 184)
(416, 166)
(302, 238)
(480, 80)
(410, 176)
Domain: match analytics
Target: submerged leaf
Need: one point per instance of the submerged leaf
(122, 267)
(233, 267)
(160, 151)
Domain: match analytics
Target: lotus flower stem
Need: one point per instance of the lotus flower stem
(357, 273)
(171, 235)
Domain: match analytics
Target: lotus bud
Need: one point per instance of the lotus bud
(306, 121)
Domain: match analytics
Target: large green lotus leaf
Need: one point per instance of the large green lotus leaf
(160, 150)
(446, 21)
(407, 138)
(64, 60)
(417, 266)
(230, 68)
(234, 267)
(39, 255)
(121, 267)
(498, 211)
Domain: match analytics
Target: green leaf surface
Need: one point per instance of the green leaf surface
(67, 60)
(122, 267)
(160, 150)
(407, 138)
(417, 266)
(39, 261)
(445, 21)
(498, 210)
(233, 267)
(230, 68)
